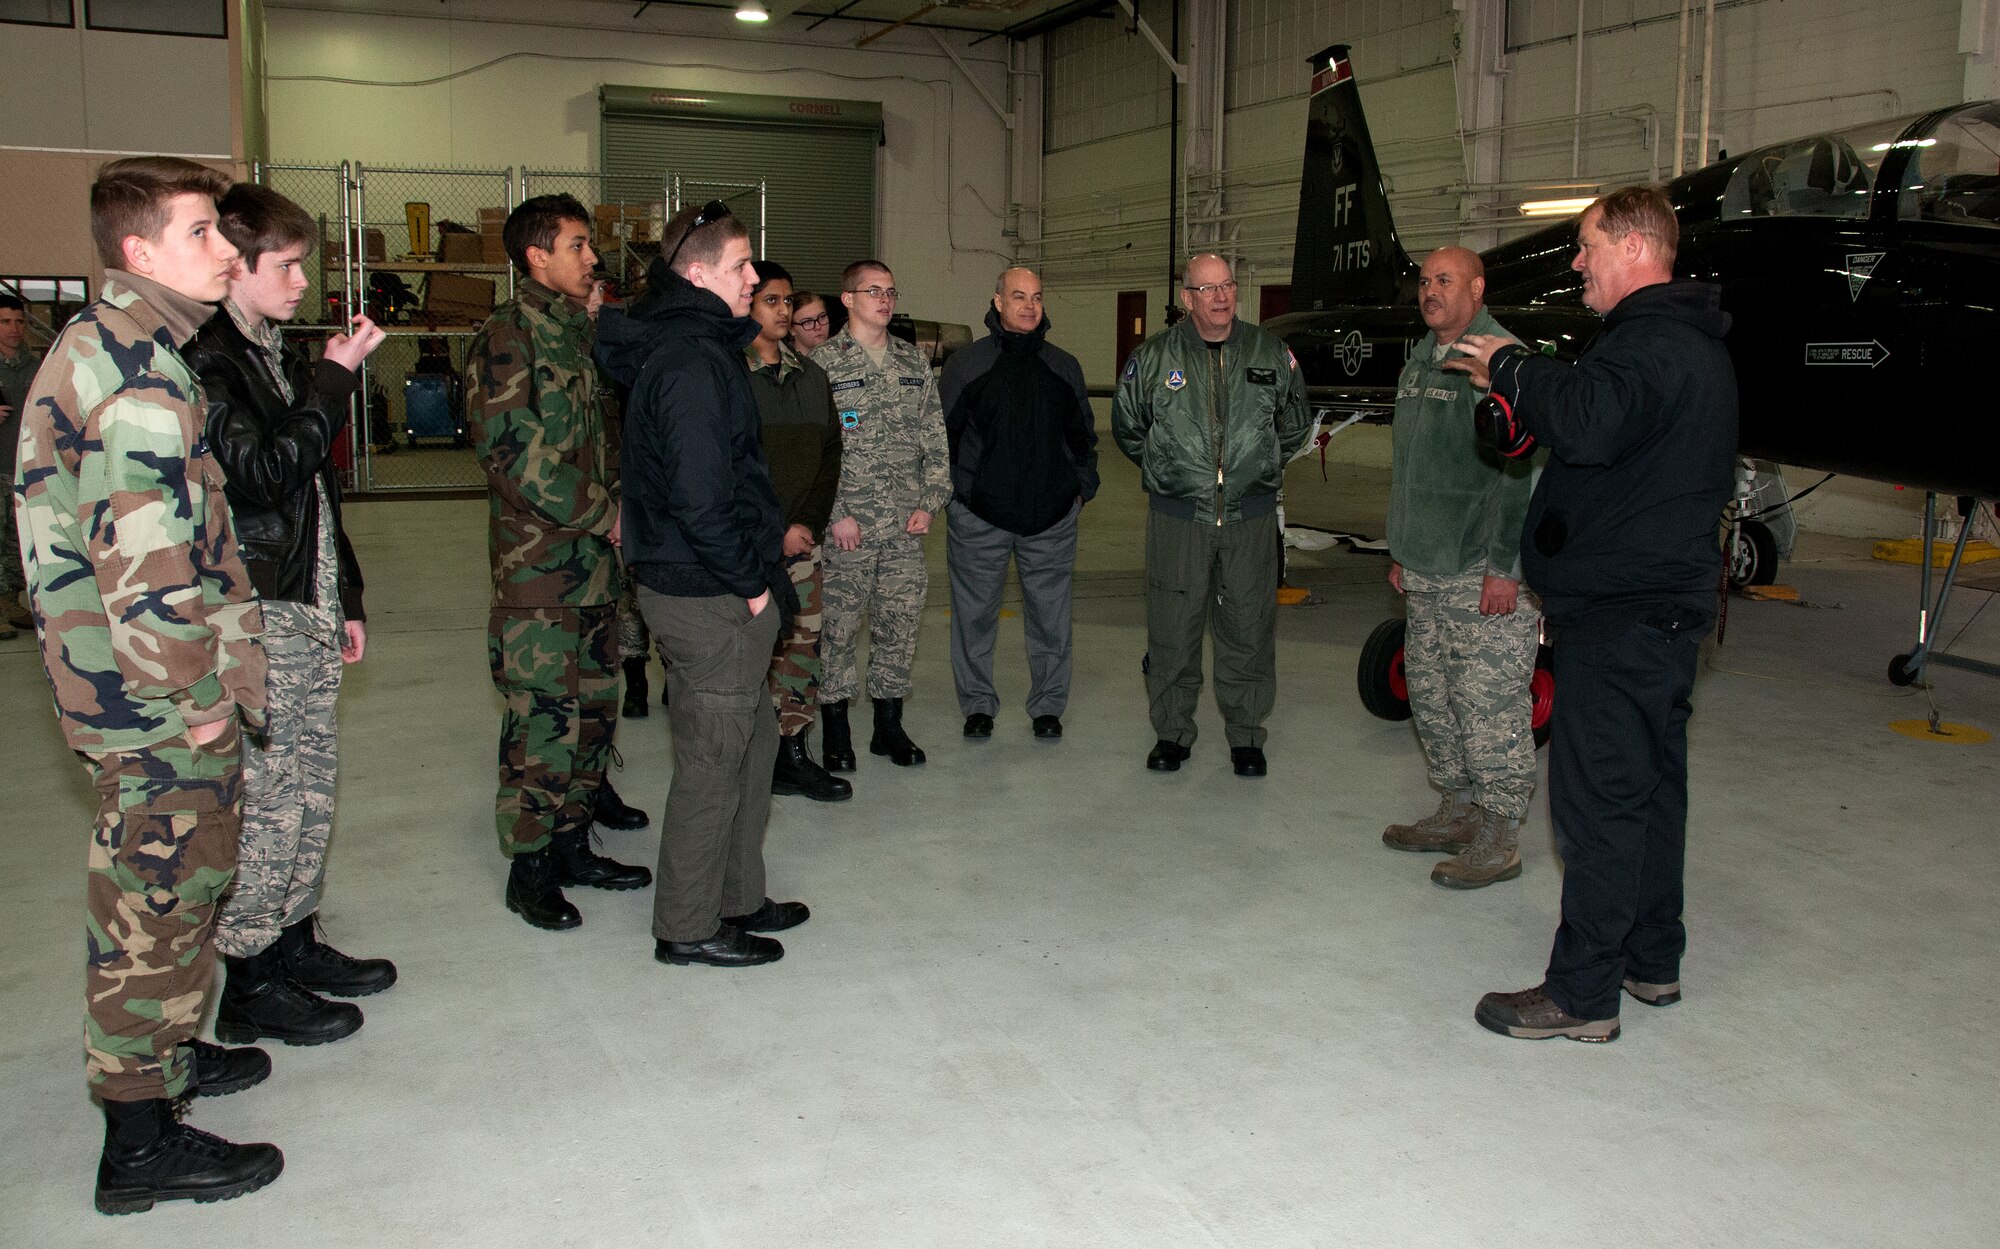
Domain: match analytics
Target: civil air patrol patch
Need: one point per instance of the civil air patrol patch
(851, 417)
(1131, 366)
(1176, 379)
(1261, 377)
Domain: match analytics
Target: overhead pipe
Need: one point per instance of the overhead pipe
(1576, 135)
(1681, 96)
(1707, 68)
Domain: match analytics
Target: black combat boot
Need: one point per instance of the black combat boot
(577, 864)
(218, 1072)
(612, 812)
(835, 742)
(150, 1157)
(635, 691)
(534, 892)
(260, 1000)
(796, 775)
(317, 967)
(889, 737)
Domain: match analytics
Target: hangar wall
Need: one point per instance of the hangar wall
(1780, 67)
(104, 91)
(512, 88)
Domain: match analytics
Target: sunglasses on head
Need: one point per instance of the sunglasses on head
(713, 211)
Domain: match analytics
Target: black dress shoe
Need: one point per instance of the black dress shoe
(1247, 760)
(729, 947)
(220, 1071)
(1048, 727)
(979, 725)
(1167, 756)
(613, 812)
(771, 917)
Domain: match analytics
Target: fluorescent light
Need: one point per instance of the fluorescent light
(752, 11)
(1556, 207)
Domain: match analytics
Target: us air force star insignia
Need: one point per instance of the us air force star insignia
(1176, 379)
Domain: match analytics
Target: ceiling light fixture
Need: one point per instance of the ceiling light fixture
(752, 11)
(1556, 207)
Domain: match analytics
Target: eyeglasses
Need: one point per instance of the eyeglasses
(1228, 287)
(877, 292)
(811, 323)
(713, 211)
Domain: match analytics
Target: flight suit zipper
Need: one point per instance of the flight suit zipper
(1215, 375)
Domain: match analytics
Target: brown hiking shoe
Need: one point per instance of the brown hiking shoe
(1495, 854)
(1532, 1015)
(1447, 830)
(1654, 994)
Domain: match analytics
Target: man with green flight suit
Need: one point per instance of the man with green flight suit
(537, 412)
(1210, 410)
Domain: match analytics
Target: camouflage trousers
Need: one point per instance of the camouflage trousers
(633, 636)
(885, 580)
(1468, 676)
(161, 855)
(555, 668)
(795, 667)
(12, 578)
(288, 784)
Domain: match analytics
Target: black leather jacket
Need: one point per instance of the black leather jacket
(270, 452)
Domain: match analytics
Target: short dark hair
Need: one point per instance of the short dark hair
(769, 271)
(690, 246)
(536, 222)
(133, 196)
(859, 267)
(258, 220)
(12, 304)
(1642, 210)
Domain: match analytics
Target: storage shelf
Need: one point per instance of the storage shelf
(419, 266)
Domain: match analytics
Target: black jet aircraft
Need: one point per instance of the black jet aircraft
(1861, 268)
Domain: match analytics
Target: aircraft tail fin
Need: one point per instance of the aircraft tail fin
(1347, 251)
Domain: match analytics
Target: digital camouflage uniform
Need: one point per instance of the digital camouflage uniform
(148, 625)
(539, 421)
(1455, 511)
(894, 460)
(289, 779)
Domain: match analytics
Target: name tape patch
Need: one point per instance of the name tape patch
(853, 383)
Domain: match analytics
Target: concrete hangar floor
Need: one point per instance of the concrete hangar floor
(1048, 998)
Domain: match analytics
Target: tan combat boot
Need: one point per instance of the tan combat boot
(1447, 830)
(1495, 854)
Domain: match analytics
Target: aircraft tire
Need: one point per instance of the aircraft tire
(1753, 557)
(1542, 696)
(1379, 674)
(1900, 671)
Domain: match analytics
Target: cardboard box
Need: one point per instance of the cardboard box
(492, 220)
(625, 223)
(460, 249)
(453, 299)
(492, 250)
(373, 246)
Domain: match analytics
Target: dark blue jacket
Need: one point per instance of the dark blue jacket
(1641, 435)
(701, 518)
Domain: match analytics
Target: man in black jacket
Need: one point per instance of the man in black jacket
(273, 417)
(1023, 464)
(1621, 543)
(703, 535)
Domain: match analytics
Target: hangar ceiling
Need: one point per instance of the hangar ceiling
(1017, 19)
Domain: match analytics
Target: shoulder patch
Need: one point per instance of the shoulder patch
(1293, 359)
(1131, 366)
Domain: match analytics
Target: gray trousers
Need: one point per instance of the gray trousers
(725, 741)
(976, 554)
(1221, 580)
